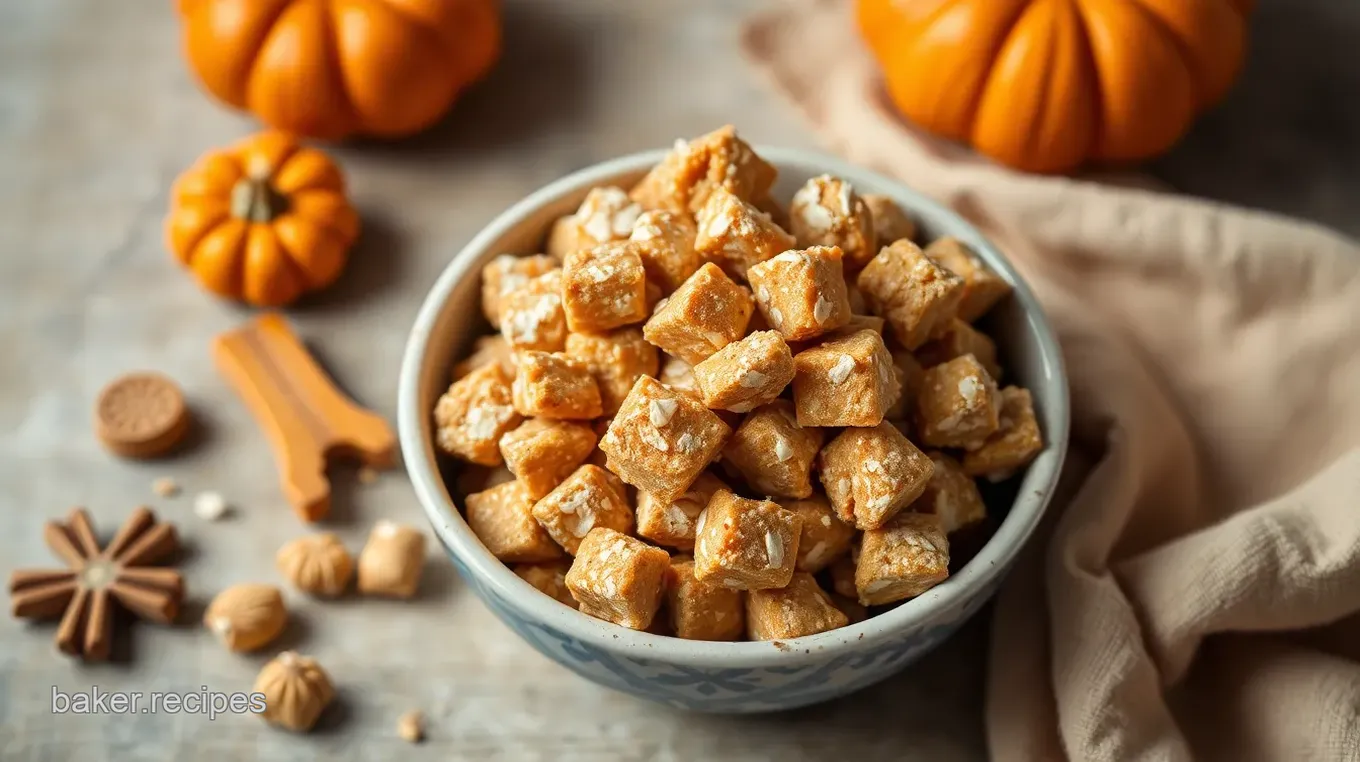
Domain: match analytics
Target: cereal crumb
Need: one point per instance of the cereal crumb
(165, 487)
(411, 727)
(210, 506)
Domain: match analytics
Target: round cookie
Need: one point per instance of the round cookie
(141, 415)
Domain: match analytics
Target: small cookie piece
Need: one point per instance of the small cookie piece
(685, 178)
(541, 452)
(502, 518)
(1015, 443)
(708, 312)
(801, 608)
(737, 236)
(661, 440)
(672, 523)
(141, 415)
(665, 241)
(982, 287)
(487, 350)
(587, 499)
(845, 381)
(745, 544)
(916, 296)
(826, 211)
(506, 273)
(906, 557)
(824, 539)
(773, 453)
(890, 222)
(745, 374)
(604, 287)
(618, 579)
(552, 385)
(958, 405)
(871, 474)
(616, 360)
(802, 293)
(702, 610)
(474, 413)
(960, 339)
(952, 496)
(532, 315)
(549, 579)
(392, 560)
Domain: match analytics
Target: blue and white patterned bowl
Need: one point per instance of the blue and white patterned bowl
(723, 677)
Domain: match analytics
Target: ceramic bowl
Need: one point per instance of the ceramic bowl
(724, 677)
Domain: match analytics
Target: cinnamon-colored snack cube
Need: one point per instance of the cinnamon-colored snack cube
(802, 293)
(917, 297)
(824, 539)
(552, 385)
(842, 573)
(958, 405)
(473, 478)
(890, 222)
(661, 440)
(826, 211)
(532, 316)
(672, 522)
(1016, 441)
(858, 323)
(906, 557)
(606, 214)
(851, 608)
(702, 610)
(604, 287)
(542, 452)
(858, 304)
(566, 236)
(845, 381)
(982, 287)
(506, 273)
(952, 496)
(773, 209)
(618, 579)
(746, 373)
(801, 608)
(960, 339)
(550, 579)
(679, 375)
(487, 350)
(616, 360)
(685, 178)
(665, 241)
(585, 500)
(909, 374)
(708, 312)
(745, 544)
(773, 453)
(474, 413)
(737, 236)
(502, 519)
(871, 474)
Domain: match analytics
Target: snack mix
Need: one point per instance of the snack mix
(723, 419)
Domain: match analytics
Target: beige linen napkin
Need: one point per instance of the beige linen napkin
(1195, 593)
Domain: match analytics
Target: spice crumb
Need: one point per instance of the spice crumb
(411, 727)
(165, 487)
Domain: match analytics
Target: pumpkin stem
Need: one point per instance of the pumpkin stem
(253, 199)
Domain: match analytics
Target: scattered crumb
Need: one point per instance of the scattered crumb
(411, 727)
(781, 645)
(368, 475)
(165, 487)
(210, 506)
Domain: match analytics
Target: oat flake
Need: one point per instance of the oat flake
(841, 370)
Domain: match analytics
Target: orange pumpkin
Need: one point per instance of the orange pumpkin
(263, 221)
(1044, 85)
(333, 68)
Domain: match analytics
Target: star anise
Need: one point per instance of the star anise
(85, 594)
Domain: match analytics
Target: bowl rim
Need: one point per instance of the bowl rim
(977, 576)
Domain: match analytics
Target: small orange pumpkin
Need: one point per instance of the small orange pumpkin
(263, 221)
(333, 68)
(1045, 85)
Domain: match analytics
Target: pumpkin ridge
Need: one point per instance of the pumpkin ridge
(413, 20)
(255, 48)
(1191, 65)
(1089, 49)
(287, 262)
(211, 218)
(301, 272)
(332, 62)
(995, 52)
(325, 225)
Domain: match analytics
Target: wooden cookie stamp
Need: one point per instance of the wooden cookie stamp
(305, 417)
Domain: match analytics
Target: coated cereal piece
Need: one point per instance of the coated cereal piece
(679, 375)
(773, 453)
(824, 539)
(826, 211)
(737, 236)
(871, 474)
(665, 241)
(487, 350)
(585, 500)
(542, 452)
(702, 610)
(745, 544)
(474, 478)
(845, 381)
(910, 375)
(890, 222)
(1015, 443)
(982, 287)
(685, 178)
(708, 312)
(474, 413)
(858, 304)
(802, 293)
(606, 214)
(773, 209)
(801, 608)
(549, 579)
(842, 573)
(952, 496)
(501, 518)
(618, 579)
(745, 374)
(851, 608)
(671, 523)
(604, 287)
(507, 272)
(906, 557)
(532, 316)
(960, 339)
(616, 360)
(661, 440)
(917, 297)
(552, 385)
(958, 405)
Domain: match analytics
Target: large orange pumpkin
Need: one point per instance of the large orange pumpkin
(263, 221)
(1044, 85)
(332, 68)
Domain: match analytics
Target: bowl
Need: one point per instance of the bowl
(707, 676)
